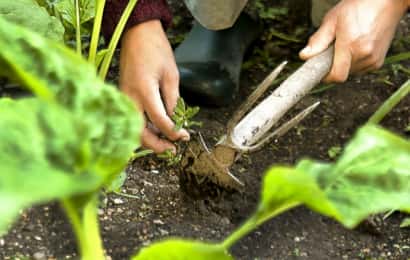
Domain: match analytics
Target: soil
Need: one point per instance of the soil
(163, 210)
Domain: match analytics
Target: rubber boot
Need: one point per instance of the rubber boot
(209, 62)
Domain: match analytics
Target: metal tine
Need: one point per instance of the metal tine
(203, 143)
(283, 129)
(256, 94)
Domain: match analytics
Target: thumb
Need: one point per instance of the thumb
(320, 40)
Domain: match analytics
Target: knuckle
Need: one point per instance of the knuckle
(173, 75)
(366, 49)
(378, 64)
(373, 60)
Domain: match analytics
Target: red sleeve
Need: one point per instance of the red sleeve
(145, 10)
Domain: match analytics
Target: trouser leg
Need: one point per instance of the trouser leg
(216, 14)
(319, 10)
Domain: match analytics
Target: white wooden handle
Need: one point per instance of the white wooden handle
(263, 117)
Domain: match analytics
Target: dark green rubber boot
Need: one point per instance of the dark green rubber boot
(209, 62)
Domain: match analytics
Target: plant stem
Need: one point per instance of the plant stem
(245, 229)
(84, 221)
(256, 220)
(390, 103)
(322, 88)
(126, 195)
(116, 38)
(95, 36)
(397, 58)
(78, 27)
(92, 231)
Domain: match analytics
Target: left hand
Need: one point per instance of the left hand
(362, 31)
(149, 76)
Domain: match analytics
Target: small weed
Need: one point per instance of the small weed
(405, 223)
(140, 153)
(334, 152)
(183, 115)
(170, 157)
(270, 13)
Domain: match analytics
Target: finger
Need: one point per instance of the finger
(153, 142)
(153, 128)
(365, 70)
(320, 40)
(367, 64)
(342, 62)
(170, 90)
(156, 112)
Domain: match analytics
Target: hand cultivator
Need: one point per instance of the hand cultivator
(248, 129)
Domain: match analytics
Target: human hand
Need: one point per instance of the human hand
(149, 75)
(362, 31)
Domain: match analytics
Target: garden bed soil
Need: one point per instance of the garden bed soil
(162, 210)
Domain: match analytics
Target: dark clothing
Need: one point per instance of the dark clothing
(145, 10)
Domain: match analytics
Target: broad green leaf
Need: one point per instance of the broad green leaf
(109, 116)
(285, 188)
(66, 9)
(405, 223)
(79, 133)
(371, 176)
(39, 146)
(29, 14)
(182, 250)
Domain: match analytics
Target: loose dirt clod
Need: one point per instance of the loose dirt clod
(202, 171)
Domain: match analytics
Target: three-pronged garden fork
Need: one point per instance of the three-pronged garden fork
(250, 127)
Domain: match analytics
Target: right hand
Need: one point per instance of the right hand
(361, 30)
(149, 76)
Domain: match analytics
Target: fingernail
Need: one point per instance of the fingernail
(185, 136)
(306, 51)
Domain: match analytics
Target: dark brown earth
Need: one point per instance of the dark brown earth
(163, 210)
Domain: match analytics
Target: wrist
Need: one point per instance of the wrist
(143, 29)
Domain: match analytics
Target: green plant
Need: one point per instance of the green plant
(119, 181)
(183, 115)
(77, 133)
(390, 103)
(334, 151)
(70, 19)
(31, 15)
(182, 118)
(170, 157)
(405, 223)
(270, 13)
(371, 176)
